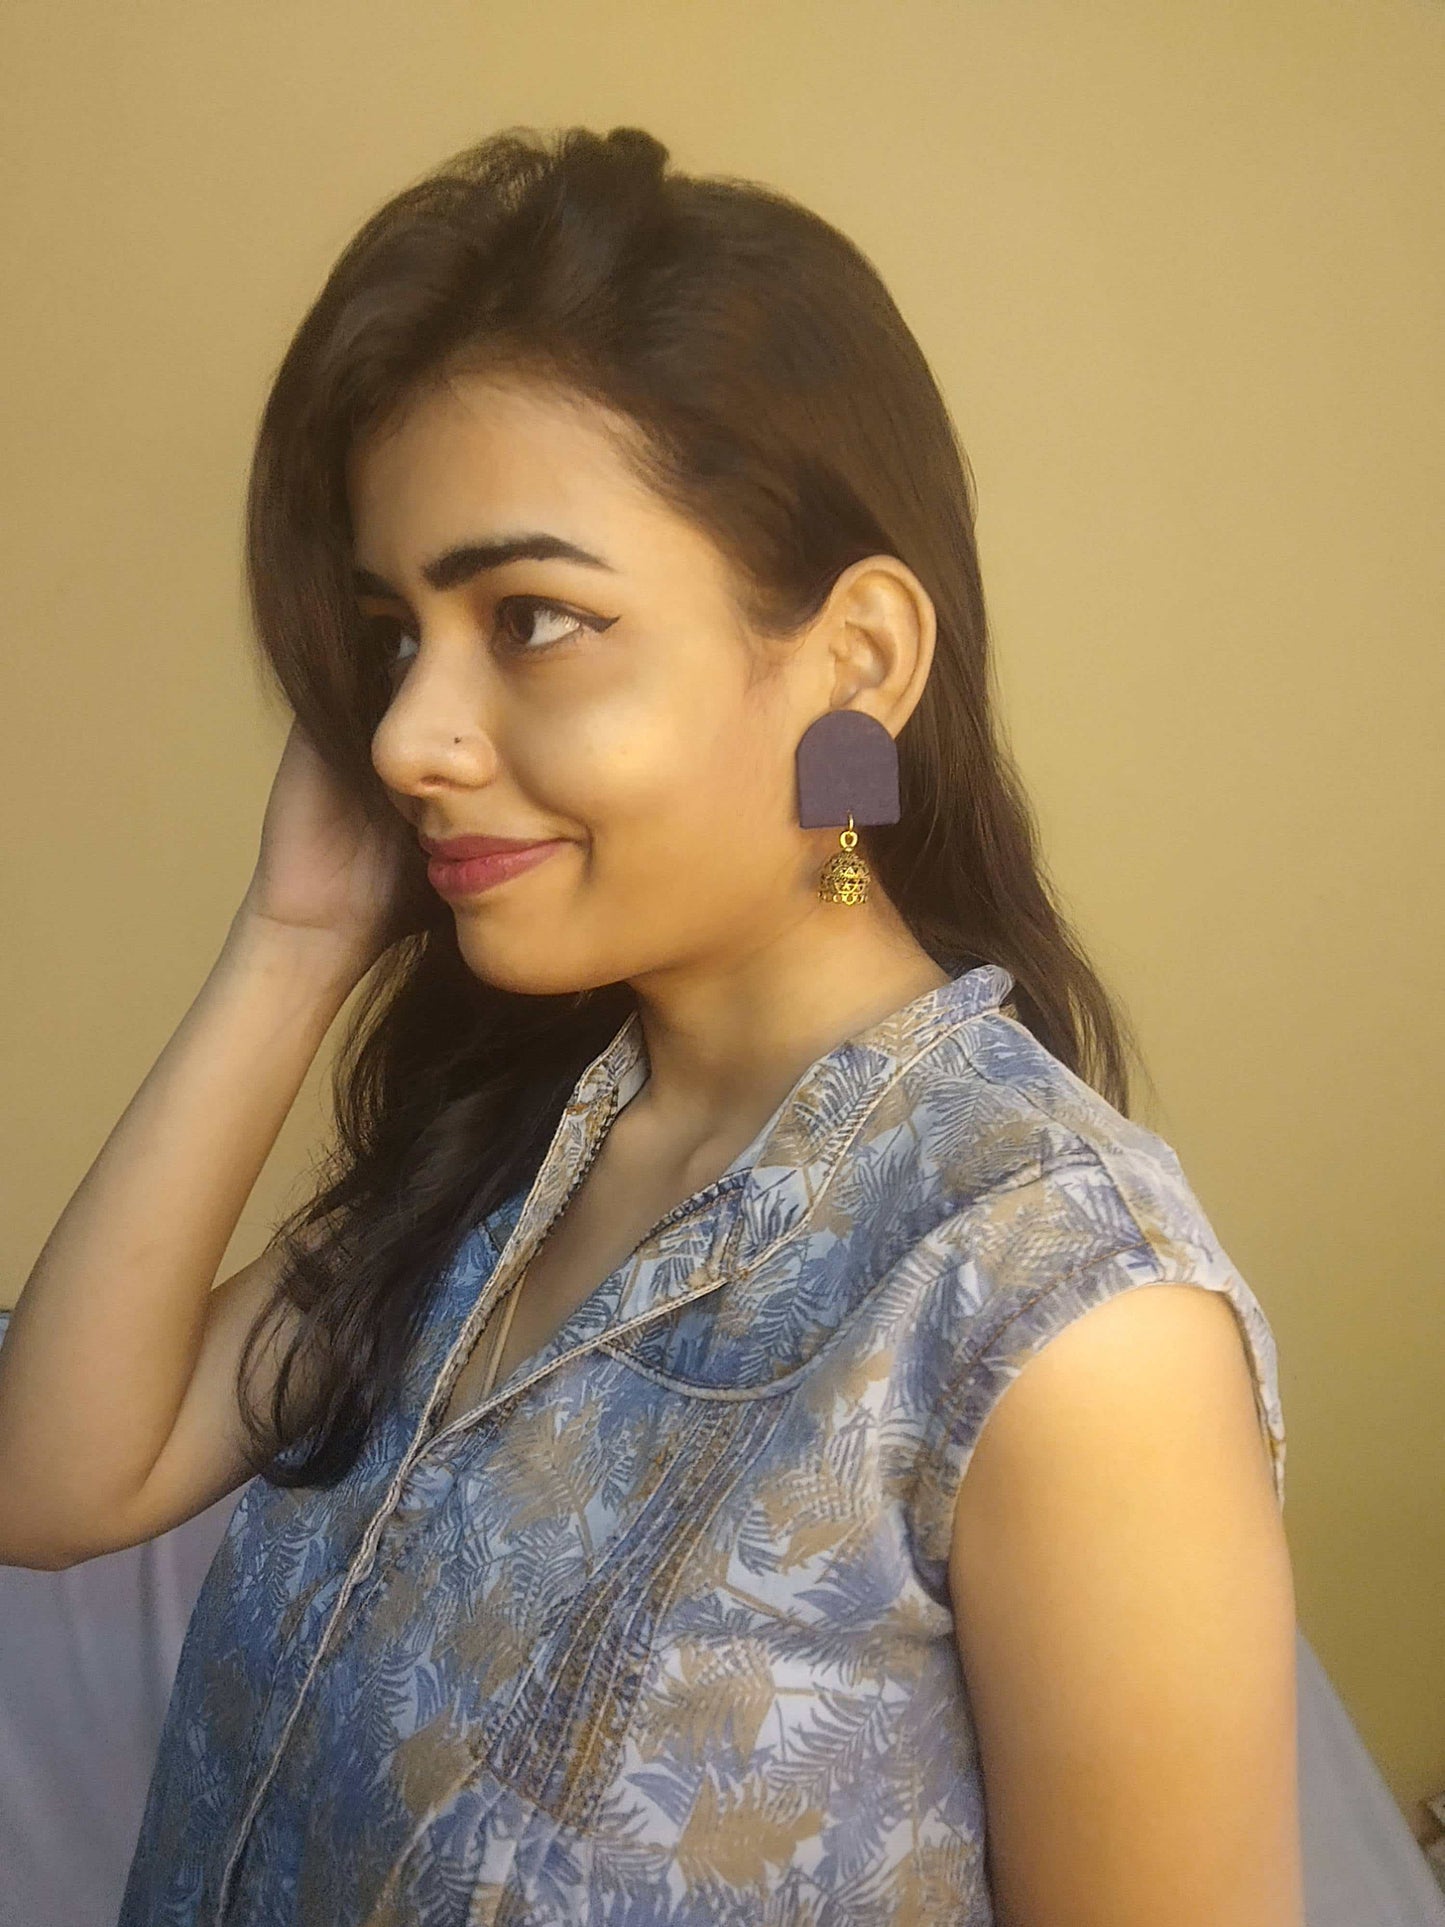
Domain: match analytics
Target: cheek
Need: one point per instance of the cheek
(640, 748)
(671, 764)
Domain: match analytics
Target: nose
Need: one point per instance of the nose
(435, 735)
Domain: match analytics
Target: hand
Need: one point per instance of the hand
(325, 871)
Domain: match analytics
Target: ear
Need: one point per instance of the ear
(882, 629)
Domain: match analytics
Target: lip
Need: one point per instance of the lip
(469, 876)
(456, 848)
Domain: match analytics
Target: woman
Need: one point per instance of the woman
(715, 1150)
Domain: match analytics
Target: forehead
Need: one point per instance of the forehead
(478, 455)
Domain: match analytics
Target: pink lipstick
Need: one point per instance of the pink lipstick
(465, 876)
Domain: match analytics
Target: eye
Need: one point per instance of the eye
(563, 621)
(516, 618)
(378, 631)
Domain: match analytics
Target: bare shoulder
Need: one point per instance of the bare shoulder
(1125, 1614)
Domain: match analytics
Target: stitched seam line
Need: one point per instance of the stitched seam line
(744, 1394)
(355, 1572)
(1100, 1156)
(853, 1125)
(609, 1661)
(741, 1465)
(949, 1406)
(622, 1554)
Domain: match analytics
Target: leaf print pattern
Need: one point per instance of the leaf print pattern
(732, 1838)
(658, 1634)
(718, 1698)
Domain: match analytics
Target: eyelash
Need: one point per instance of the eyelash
(391, 662)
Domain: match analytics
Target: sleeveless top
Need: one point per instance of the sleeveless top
(658, 1633)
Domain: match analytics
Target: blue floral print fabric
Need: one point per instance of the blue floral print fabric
(658, 1633)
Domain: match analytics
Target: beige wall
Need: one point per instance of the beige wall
(1179, 269)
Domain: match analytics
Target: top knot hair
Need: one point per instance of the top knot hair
(608, 200)
(623, 154)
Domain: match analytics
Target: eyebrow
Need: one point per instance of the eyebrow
(460, 564)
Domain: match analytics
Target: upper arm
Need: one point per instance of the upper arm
(205, 1455)
(1125, 1616)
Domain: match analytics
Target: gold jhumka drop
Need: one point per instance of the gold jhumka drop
(845, 877)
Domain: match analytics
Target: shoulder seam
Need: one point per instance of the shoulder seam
(1096, 1151)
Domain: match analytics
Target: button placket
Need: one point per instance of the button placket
(426, 1488)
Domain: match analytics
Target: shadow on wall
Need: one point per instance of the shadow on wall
(87, 1657)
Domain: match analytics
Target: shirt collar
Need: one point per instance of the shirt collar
(725, 1231)
(792, 1158)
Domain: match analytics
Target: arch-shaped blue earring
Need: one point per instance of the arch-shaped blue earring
(847, 774)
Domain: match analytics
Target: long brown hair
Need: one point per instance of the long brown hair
(778, 400)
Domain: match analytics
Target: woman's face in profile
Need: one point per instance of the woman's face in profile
(608, 704)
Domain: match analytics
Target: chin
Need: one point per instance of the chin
(522, 970)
